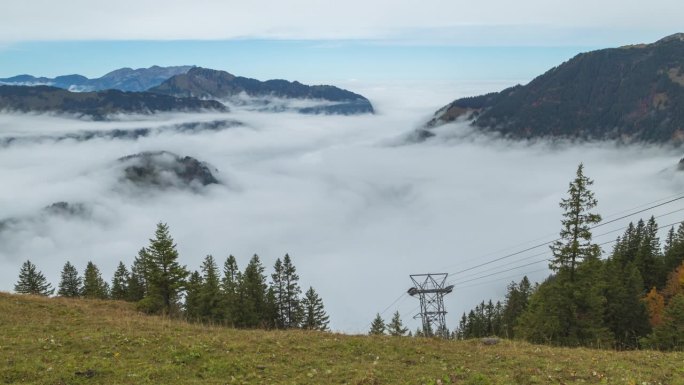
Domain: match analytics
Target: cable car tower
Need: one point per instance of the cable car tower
(431, 289)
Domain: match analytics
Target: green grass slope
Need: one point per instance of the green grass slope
(62, 341)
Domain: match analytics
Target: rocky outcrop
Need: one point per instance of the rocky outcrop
(163, 170)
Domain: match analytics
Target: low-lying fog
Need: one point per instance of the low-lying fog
(357, 212)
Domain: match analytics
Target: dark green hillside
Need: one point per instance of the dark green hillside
(631, 94)
(96, 104)
(208, 83)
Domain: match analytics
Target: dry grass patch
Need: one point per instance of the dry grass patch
(63, 341)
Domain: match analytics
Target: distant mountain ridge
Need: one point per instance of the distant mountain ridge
(124, 79)
(221, 85)
(97, 105)
(630, 94)
(196, 82)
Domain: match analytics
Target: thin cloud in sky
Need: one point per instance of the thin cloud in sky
(454, 21)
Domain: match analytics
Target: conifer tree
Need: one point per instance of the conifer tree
(461, 330)
(193, 297)
(253, 292)
(674, 252)
(32, 281)
(286, 292)
(293, 308)
(120, 282)
(315, 317)
(211, 297)
(517, 298)
(575, 243)
(278, 293)
(377, 326)
(396, 327)
(648, 259)
(70, 284)
(270, 314)
(230, 285)
(568, 308)
(93, 284)
(165, 276)
(137, 279)
(625, 313)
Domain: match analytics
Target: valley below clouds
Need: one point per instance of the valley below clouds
(356, 207)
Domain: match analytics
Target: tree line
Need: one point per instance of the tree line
(633, 298)
(158, 284)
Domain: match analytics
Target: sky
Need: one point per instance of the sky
(356, 208)
(313, 40)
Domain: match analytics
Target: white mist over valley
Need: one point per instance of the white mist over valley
(356, 207)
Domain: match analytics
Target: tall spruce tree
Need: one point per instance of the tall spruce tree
(230, 285)
(517, 298)
(70, 284)
(314, 317)
(286, 290)
(120, 282)
(377, 326)
(462, 329)
(165, 276)
(253, 293)
(93, 284)
(674, 253)
(625, 313)
(648, 258)
(278, 293)
(395, 327)
(568, 308)
(32, 281)
(211, 297)
(292, 293)
(575, 243)
(193, 297)
(137, 279)
(285, 284)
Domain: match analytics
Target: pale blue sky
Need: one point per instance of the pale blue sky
(302, 60)
(314, 40)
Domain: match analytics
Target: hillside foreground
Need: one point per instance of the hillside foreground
(66, 341)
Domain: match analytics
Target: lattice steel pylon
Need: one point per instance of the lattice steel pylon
(431, 289)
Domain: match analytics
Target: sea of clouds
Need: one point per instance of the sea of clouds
(356, 208)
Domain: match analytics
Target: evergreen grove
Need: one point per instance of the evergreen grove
(158, 284)
(633, 298)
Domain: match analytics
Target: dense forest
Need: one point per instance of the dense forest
(633, 298)
(158, 284)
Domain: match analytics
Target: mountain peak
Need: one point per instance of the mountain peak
(628, 95)
(674, 37)
(124, 79)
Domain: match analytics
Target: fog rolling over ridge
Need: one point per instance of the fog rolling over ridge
(357, 212)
